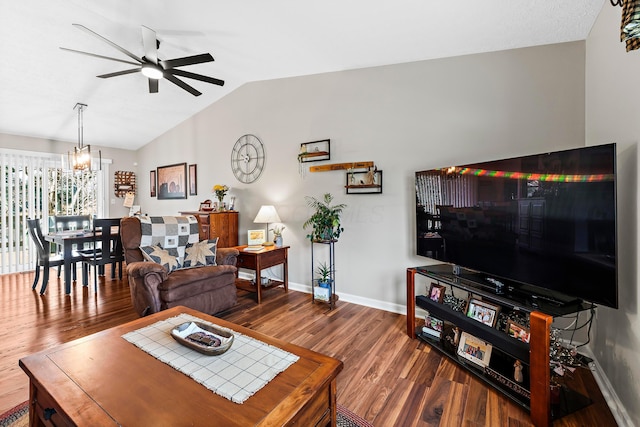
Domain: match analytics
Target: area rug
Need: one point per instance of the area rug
(346, 418)
(19, 417)
(16, 417)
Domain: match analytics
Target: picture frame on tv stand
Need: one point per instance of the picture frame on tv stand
(474, 349)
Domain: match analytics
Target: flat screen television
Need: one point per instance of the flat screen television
(543, 223)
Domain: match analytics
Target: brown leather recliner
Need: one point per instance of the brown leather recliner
(209, 289)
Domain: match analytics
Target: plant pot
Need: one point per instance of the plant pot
(322, 292)
(324, 284)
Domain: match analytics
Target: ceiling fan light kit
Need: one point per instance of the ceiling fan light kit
(152, 72)
(150, 65)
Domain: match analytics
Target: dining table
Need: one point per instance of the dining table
(67, 240)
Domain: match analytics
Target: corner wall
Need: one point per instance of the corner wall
(405, 117)
(613, 115)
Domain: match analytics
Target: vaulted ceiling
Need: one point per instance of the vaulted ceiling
(251, 40)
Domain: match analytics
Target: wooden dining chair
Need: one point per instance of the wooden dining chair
(45, 258)
(106, 237)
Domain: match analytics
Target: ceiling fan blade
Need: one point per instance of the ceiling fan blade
(150, 44)
(119, 73)
(195, 76)
(176, 81)
(109, 42)
(187, 60)
(153, 85)
(99, 56)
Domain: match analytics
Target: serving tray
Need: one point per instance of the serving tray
(203, 338)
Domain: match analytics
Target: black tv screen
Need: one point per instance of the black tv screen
(547, 221)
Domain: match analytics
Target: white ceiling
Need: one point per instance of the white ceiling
(250, 40)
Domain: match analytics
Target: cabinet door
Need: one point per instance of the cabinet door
(224, 226)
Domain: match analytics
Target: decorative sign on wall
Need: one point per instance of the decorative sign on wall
(124, 182)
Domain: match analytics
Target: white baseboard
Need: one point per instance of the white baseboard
(611, 397)
(356, 299)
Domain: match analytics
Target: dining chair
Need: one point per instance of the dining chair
(72, 222)
(45, 258)
(107, 240)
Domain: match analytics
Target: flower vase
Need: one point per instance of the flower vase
(278, 241)
(220, 204)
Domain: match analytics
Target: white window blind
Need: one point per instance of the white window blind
(33, 185)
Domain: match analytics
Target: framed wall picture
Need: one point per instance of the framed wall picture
(255, 237)
(315, 151)
(474, 349)
(518, 331)
(152, 183)
(483, 312)
(193, 180)
(172, 181)
(436, 292)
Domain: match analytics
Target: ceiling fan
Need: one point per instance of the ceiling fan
(151, 66)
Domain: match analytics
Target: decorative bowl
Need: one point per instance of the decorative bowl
(207, 209)
(203, 338)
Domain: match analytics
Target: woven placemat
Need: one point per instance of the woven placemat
(236, 374)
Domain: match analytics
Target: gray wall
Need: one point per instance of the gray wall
(612, 114)
(405, 117)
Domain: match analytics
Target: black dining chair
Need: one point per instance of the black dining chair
(72, 222)
(45, 259)
(109, 249)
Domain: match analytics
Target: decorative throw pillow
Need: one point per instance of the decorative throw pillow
(201, 253)
(168, 258)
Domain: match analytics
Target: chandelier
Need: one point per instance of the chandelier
(80, 158)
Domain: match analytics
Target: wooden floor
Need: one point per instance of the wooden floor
(388, 379)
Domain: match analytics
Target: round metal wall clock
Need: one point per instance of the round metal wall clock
(247, 158)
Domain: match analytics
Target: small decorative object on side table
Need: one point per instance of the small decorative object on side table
(277, 235)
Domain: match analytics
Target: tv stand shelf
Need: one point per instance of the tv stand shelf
(515, 296)
(497, 338)
(533, 394)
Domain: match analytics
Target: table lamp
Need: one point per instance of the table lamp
(267, 214)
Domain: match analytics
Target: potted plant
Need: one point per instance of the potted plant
(324, 275)
(323, 290)
(277, 235)
(325, 221)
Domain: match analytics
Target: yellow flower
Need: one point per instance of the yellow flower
(220, 191)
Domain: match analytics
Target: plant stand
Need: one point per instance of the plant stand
(332, 298)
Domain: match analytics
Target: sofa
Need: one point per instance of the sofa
(156, 286)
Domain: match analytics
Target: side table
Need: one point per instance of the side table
(267, 257)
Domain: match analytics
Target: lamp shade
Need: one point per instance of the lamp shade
(267, 214)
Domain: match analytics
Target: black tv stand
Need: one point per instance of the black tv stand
(534, 392)
(524, 297)
(537, 301)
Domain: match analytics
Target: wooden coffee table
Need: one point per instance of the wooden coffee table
(102, 379)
